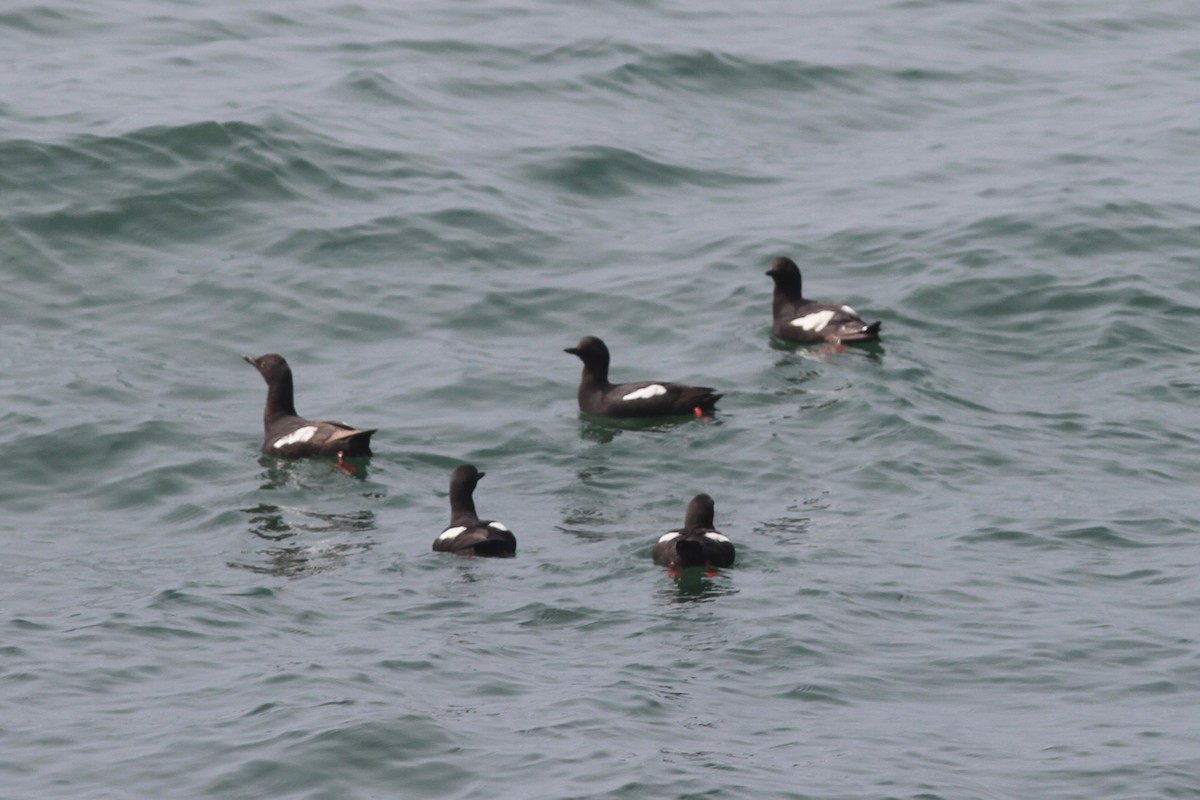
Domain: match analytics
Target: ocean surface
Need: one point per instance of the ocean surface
(968, 557)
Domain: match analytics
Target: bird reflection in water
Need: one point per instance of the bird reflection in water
(695, 585)
(603, 430)
(278, 525)
(279, 473)
(305, 541)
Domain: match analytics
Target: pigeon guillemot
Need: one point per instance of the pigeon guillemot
(697, 543)
(468, 534)
(811, 322)
(291, 436)
(641, 399)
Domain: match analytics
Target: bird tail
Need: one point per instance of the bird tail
(870, 333)
(690, 553)
(495, 546)
(354, 442)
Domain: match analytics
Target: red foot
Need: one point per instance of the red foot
(832, 348)
(344, 467)
(712, 572)
(674, 573)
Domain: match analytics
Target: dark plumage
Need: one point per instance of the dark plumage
(697, 543)
(291, 436)
(467, 532)
(640, 399)
(811, 322)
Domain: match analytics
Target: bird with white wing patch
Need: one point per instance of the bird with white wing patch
(287, 434)
(697, 543)
(797, 319)
(467, 534)
(640, 399)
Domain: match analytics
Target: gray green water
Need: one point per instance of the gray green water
(967, 558)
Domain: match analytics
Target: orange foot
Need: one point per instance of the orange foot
(835, 346)
(343, 466)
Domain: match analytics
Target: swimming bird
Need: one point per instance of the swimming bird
(697, 543)
(289, 435)
(468, 534)
(640, 399)
(811, 322)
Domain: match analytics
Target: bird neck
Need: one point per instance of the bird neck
(595, 374)
(280, 399)
(699, 519)
(786, 298)
(462, 505)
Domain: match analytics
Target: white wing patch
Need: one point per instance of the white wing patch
(850, 311)
(500, 526)
(716, 537)
(815, 321)
(646, 392)
(296, 436)
(669, 537)
(451, 533)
